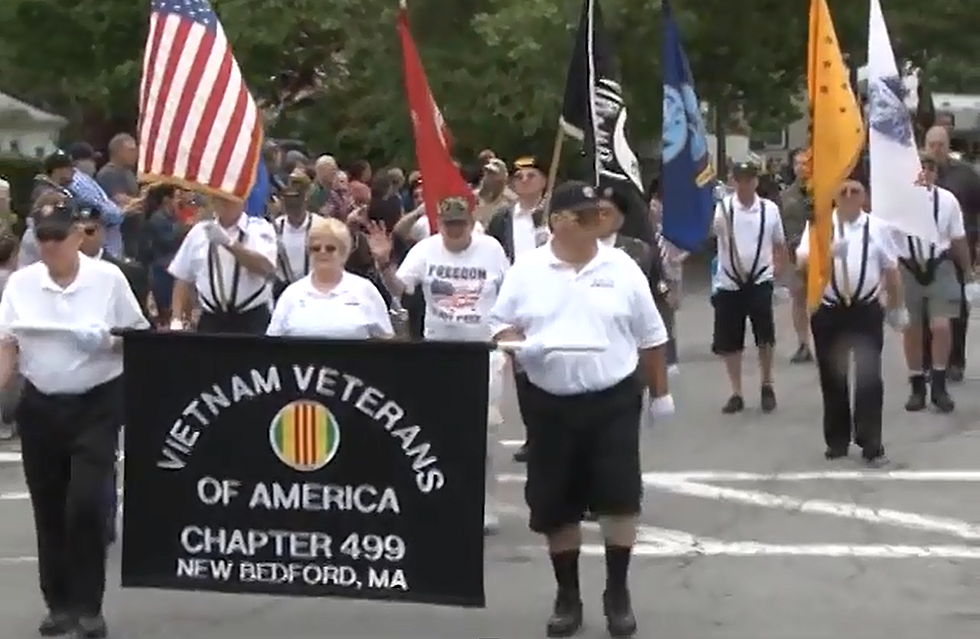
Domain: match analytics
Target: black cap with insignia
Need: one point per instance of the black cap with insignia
(745, 170)
(574, 196)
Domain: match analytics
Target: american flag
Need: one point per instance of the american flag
(199, 126)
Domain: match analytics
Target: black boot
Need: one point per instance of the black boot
(938, 393)
(917, 398)
(566, 618)
(620, 621)
(56, 624)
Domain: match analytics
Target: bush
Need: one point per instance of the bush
(19, 171)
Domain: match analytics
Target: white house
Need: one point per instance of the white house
(28, 130)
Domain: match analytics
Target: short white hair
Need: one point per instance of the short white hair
(334, 229)
(326, 160)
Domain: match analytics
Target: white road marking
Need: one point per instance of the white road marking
(805, 476)
(754, 549)
(511, 443)
(885, 516)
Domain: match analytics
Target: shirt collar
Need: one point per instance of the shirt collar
(751, 208)
(601, 257)
(858, 221)
(241, 223)
(609, 240)
(98, 256)
(80, 281)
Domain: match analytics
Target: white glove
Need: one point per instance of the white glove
(839, 249)
(972, 291)
(216, 235)
(531, 351)
(92, 338)
(781, 294)
(176, 324)
(897, 318)
(660, 407)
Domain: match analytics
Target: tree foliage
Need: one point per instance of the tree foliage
(496, 67)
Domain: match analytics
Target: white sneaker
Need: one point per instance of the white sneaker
(491, 522)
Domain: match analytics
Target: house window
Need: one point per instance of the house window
(15, 146)
(766, 141)
(39, 152)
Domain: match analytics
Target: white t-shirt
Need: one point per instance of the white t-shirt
(753, 263)
(354, 309)
(459, 288)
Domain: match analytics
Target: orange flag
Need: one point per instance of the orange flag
(441, 178)
(836, 138)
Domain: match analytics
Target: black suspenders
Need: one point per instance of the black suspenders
(283, 257)
(856, 297)
(754, 271)
(924, 273)
(226, 305)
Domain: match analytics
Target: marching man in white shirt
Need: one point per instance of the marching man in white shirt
(933, 293)
(584, 408)
(55, 321)
(227, 262)
(849, 321)
(751, 248)
(460, 272)
(292, 230)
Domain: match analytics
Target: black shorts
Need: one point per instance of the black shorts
(733, 308)
(583, 454)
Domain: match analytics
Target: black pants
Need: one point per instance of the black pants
(251, 322)
(521, 385)
(583, 454)
(957, 327)
(69, 451)
(839, 332)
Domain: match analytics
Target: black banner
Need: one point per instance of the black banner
(305, 467)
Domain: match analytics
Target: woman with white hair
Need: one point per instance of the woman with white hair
(330, 302)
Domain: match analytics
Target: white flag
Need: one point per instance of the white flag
(895, 165)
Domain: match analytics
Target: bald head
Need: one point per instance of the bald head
(937, 144)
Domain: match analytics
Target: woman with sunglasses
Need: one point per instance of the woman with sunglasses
(330, 302)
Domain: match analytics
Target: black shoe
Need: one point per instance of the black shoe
(768, 398)
(620, 621)
(56, 624)
(954, 374)
(835, 453)
(521, 455)
(802, 355)
(877, 460)
(938, 395)
(735, 404)
(566, 619)
(917, 398)
(91, 628)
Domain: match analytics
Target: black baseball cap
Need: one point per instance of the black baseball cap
(574, 196)
(615, 195)
(745, 170)
(54, 221)
(82, 151)
(57, 160)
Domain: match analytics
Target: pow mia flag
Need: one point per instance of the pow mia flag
(594, 113)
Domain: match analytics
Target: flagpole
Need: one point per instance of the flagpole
(553, 169)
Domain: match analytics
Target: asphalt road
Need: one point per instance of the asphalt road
(748, 533)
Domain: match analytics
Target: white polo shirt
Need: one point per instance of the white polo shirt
(198, 262)
(459, 288)
(354, 309)
(606, 303)
(864, 274)
(51, 359)
(945, 209)
(293, 260)
(755, 230)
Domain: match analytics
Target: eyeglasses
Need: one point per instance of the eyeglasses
(322, 248)
(51, 235)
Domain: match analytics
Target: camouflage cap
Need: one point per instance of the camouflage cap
(454, 209)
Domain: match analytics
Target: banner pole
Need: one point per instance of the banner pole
(553, 169)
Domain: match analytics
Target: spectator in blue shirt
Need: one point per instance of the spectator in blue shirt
(88, 193)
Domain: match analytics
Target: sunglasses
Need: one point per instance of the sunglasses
(322, 248)
(51, 235)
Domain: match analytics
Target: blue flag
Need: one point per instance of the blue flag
(258, 198)
(687, 176)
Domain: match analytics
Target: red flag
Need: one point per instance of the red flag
(440, 176)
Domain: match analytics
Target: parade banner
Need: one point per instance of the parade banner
(305, 467)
